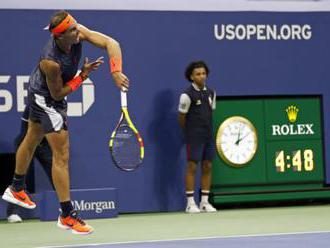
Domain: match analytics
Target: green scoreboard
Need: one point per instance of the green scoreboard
(268, 149)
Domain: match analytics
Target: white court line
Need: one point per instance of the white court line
(187, 239)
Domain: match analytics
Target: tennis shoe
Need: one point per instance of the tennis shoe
(192, 209)
(19, 198)
(14, 218)
(74, 223)
(206, 207)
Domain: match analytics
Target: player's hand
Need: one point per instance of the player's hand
(89, 67)
(121, 80)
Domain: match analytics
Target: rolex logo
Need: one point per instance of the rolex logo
(292, 112)
(293, 129)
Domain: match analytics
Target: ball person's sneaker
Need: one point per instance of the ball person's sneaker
(192, 209)
(74, 223)
(206, 207)
(19, 198)
(14, 218)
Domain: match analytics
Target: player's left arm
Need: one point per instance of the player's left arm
(113, 50)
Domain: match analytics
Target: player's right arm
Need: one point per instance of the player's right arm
(184, 106)
(57, 88)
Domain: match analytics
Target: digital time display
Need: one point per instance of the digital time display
(298, 160)
(294, 161)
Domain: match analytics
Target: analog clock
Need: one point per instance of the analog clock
(237, 141)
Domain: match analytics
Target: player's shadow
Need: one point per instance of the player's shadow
(165, 133)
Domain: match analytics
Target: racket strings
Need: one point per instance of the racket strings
(126, 148)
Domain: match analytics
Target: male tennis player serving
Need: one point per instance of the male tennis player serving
(50, 82)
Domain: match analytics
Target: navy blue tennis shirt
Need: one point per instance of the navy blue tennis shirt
(68, 62)
(198, 106)
(44, 109)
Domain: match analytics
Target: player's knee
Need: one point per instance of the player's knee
(191, 167)
(26, 148)
(61, 159)
(30, 143)
(207, 168)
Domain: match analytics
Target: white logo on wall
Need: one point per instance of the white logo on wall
(74, 108)
(262, 32)
(97, 207)
(88, 98)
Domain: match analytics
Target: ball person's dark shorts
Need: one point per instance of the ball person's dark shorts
(200, 151)
(51, 115)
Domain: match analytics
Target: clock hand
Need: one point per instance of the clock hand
(244, 137)
(239, 134)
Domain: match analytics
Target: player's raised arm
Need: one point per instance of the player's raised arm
(113, 50)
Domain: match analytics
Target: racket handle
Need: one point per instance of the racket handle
(123, 99)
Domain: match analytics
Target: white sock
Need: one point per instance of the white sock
(205, 196)
(190, 198)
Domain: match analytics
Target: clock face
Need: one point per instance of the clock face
(237, 141)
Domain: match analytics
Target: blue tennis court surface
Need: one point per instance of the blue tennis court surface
(294, 240)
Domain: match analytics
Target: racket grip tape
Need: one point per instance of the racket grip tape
(123, 98)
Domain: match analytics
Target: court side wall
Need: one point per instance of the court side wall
(157, 46)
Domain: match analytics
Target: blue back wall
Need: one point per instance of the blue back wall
(157, 46)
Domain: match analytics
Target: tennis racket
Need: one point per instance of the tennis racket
(126, 145)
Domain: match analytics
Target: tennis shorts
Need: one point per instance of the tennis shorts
(198, 152)
(50, 114)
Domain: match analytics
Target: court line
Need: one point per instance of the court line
(187, 239)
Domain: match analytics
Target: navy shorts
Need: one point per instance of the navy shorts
(50, 114)
(200, 151)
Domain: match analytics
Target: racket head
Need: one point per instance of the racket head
(126, 145)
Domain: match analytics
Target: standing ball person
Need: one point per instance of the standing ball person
(51, 81)
(195, 117)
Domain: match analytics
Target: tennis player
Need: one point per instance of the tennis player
(195, 117)
(51, 81)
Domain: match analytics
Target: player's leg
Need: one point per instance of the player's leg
(59, 143)
(16, 193)
(14, 211)
(206, 175)
(43, 154)
(194, 154)
(208, 156)
(26, 149)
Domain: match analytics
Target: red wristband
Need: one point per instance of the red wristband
(75, 83)
(115, 64)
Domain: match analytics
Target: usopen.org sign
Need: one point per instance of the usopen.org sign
(91, 203)
(292, 129)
